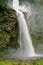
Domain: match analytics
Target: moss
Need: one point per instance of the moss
(40, 62)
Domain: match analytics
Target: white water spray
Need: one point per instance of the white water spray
(26, 47)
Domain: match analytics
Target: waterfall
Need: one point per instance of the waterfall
(26, 47)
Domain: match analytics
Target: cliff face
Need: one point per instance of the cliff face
(8, 26)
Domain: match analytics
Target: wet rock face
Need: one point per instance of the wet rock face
(39, 1)
(31, 0)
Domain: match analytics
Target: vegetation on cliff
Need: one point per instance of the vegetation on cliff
(8, 26)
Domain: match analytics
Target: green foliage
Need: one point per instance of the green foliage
(22, 63)
(13, 63)
(37, 37)
(38, 62)
(8, 26)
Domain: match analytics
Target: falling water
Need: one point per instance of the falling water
(26, 48)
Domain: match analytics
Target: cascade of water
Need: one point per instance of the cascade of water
(26, 43)
(26, 47)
